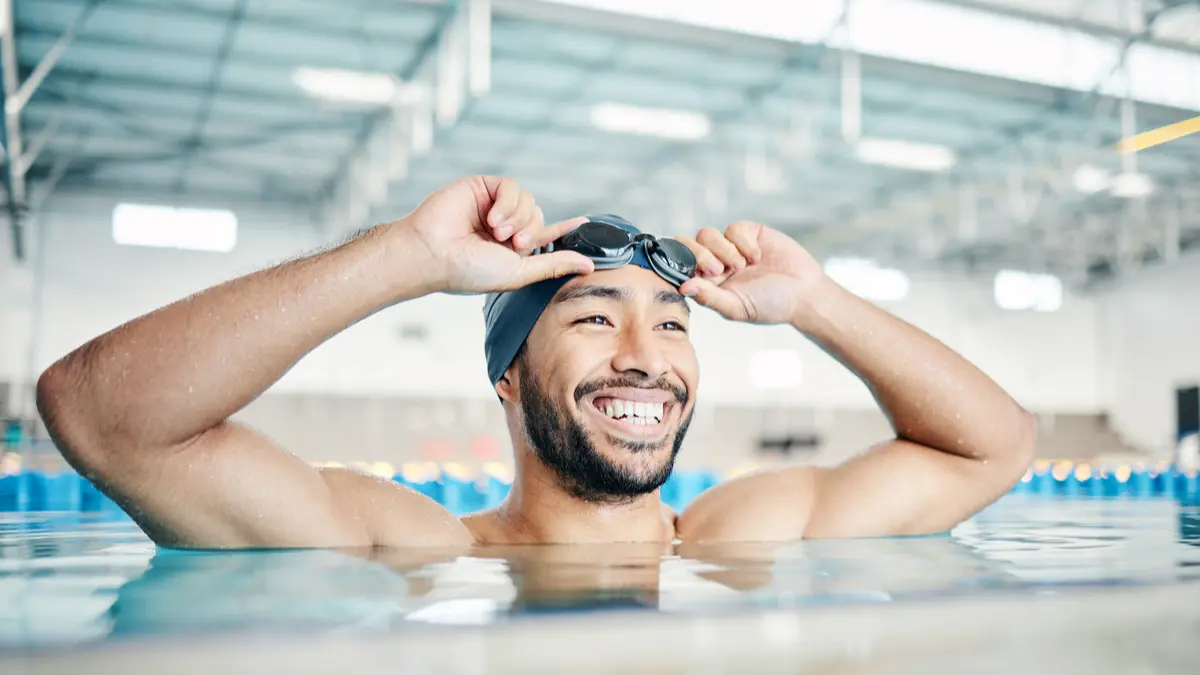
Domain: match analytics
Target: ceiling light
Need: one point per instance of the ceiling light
(673, 124)
(1090, 179)
(905, 154)
(350, 86)
(1132, 185)
(1017, 290)
(169, 227)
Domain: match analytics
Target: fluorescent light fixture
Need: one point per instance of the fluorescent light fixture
(868, 280)
(352, 86)
(680, 125)
(776, 369)
(1090, 179)
(1132, 185)
(1015, 290)
(905, 154)
(169, 227)
(966, 39)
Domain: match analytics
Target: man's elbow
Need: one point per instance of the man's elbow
(62, 405)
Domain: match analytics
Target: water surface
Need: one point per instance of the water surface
(75, 580)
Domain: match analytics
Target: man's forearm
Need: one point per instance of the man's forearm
(174, 373)
(932, 395)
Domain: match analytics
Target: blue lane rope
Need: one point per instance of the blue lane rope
(34, 491)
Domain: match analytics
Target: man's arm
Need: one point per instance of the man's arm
(961, 441)
(144, 409)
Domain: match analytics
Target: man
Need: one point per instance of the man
(594, 369)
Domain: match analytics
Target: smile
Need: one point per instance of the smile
(634, 412)
(638, 414)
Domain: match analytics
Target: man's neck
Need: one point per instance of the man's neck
(539, 511)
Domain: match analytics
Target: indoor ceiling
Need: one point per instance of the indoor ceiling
(200, 101)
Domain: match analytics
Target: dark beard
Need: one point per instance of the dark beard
(562, 444)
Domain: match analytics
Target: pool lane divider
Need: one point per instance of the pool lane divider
(459, 491)
(463, 491)
(1067, 479)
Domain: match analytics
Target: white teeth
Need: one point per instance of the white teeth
(635, 412)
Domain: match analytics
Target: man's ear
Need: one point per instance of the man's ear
(509, 386)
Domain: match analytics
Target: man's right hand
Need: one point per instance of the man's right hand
(476, 235)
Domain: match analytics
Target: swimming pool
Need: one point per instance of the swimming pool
(81, 580)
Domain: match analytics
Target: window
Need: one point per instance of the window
(868, 280)
(1015, 290)
(169, 227)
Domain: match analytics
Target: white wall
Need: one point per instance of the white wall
(1048, 361)
(1150, 336)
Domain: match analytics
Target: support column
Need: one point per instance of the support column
(16, 94)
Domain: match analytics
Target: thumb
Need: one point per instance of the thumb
(721, 300)
(537, 268)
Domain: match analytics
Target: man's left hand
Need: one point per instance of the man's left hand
(752, 273)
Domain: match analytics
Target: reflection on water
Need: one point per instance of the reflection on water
(64, 579)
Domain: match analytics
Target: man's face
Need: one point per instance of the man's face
(607, 383)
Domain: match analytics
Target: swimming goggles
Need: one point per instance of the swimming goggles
(609, 243)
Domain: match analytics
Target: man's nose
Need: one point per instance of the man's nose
(639, 351)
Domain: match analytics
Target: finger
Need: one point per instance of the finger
(526, 217)
(721, 247)
(724, 302)
(705, 260)
(744, 235)
(504, 206)
(542, 237)
(549, 266)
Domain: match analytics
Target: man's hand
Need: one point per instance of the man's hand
(476, 235)
(752, 273)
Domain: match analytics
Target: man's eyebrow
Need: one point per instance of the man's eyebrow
(591, 291)
(667, 297)
(673, 298)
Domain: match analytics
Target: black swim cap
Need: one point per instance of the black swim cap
(509, 317)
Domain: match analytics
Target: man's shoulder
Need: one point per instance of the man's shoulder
(394, 514)
(768, 505)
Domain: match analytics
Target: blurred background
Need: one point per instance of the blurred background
(952, 160)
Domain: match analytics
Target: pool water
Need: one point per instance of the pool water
(79, 580)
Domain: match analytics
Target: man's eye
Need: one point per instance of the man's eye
(597, 320)
(675, 325)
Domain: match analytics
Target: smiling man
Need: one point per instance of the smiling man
(588, 349)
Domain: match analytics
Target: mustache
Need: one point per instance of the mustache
(631, 382)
